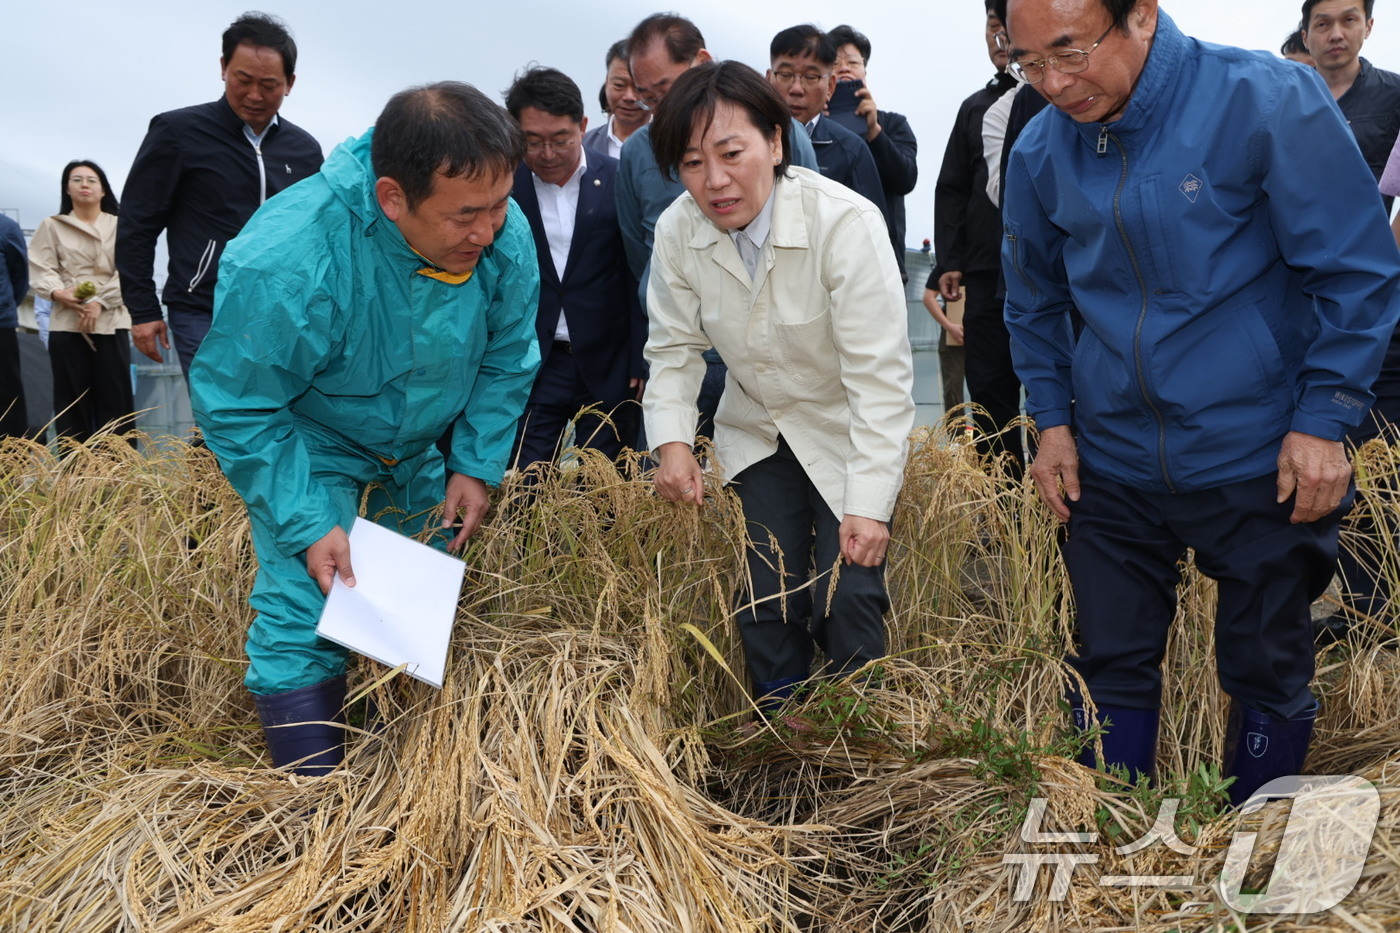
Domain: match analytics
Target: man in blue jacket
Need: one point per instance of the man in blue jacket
(359, 315)
(1232, 263)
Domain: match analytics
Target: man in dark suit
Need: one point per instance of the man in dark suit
(590, 323)
(803, 65)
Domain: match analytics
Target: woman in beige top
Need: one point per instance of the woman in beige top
(71, 263)
(789, 276)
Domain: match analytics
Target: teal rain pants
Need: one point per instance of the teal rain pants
(284, 651)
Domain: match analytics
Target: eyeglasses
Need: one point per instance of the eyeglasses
(1068, 62)
(533, 146)
(808, 80)
(850, 63)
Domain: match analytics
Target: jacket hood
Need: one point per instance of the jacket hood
(349, 172)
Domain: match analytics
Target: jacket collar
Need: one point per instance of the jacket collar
(233, 121)
(1002, 81)
(789, 230)
(1159, 72)
(93, 229)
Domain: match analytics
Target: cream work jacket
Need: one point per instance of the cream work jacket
(64, 252)
(817, 343)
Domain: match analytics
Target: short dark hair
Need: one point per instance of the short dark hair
(797, 41)
(265, 31)
(547, 89)
(615, 51)
(682, 37)
(998, 8)
(65, 201)
(691, 103)
(1368, 5)
(846, 35)
(1294, 44)
(447, 127)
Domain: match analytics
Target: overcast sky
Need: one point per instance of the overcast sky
(81, 79)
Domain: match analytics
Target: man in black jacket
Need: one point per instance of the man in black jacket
(200, 174)
(967, 247)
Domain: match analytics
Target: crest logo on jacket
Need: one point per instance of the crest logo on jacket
(1257, 744)
(1191, 187)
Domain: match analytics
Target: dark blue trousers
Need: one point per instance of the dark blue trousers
(780, 633)
(1123, 552)
(559, 396)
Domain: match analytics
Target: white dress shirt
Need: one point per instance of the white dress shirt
(558, 208)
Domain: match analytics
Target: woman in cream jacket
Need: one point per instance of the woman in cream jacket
(89, 343)
(789, 276)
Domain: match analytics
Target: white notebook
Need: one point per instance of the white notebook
(403, 603)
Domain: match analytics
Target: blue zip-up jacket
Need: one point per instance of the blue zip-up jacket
(1225, 243)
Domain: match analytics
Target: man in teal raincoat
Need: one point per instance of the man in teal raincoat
(358, 315)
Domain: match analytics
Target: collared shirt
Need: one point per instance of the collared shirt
(812, 124)
(558, 208)
(749, 240)
(256, 138)
(614, 144)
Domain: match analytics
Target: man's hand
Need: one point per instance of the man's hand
(954, 329)
(330, 556)
(863, 540)
(468, 497)
(637, 385)
(950, 286)
(1317, 470)
(678, 477)
(1055, 470)
(145, 337)
(866, 108)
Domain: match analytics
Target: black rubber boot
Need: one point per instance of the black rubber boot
(1129, 739)
(305, 728)
(1259, 747)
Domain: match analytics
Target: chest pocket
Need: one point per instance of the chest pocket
(1162, 223)
(806, 350)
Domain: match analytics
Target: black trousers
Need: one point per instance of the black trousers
(991, 377)
(794, 538)
(558, 396)
(91, 384)
(14, 419)
(1122, 553)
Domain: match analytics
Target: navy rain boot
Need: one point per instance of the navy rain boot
(1259, 747)
(1129, 738)
(305, 728)
(770, 695)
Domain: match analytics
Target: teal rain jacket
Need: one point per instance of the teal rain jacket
(327, 344)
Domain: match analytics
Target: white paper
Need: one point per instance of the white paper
(403, 603)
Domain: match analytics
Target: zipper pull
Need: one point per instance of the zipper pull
(1103, 139)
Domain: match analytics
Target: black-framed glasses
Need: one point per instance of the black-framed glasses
(560, 146)
(786, 78)
(1068, 62)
